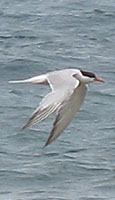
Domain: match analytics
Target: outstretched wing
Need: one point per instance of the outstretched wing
(48, 105)
(62, 88)
(67, 112)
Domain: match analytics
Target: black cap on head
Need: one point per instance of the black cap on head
(89, 74)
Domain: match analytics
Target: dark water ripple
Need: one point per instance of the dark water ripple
(37, 37)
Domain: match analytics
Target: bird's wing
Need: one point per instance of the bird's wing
(48, 105)
(53, 100)
(67, 112)
(62, 79)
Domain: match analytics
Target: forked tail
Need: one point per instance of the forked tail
(42, 79)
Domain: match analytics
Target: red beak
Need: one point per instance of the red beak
(99, 80)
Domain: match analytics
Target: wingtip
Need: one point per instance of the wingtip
(49, 140)
(24, 127)
(46, 144)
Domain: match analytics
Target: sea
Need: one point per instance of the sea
(36, 37)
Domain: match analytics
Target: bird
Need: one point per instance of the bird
(68, 91)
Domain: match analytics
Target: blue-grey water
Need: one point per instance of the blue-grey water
(37, 37)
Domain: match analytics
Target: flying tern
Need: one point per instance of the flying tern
(68, 90)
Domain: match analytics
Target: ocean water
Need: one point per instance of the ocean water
(37, 37)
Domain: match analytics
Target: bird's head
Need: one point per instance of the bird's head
(87, 77)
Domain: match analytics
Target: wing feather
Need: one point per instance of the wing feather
(67, 112)
(48, 105)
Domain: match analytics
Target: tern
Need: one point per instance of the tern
(68, 90)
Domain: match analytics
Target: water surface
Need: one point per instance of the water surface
(37, 37)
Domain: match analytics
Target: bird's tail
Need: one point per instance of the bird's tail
(20, 81)
(35, 80)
